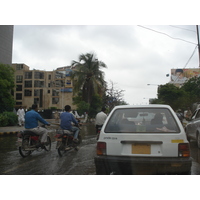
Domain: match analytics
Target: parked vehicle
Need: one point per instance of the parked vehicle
(65, 141)
(143, 140)
(28, 142)
(192, 128)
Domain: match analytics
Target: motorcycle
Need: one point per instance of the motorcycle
(65, 141)
(98, 130)
(28, 142)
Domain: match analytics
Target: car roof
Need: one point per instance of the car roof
(144, 106)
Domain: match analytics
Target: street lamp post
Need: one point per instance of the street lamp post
(153, 84)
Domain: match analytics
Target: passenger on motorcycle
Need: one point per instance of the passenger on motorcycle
(66, 119)
(31, 123)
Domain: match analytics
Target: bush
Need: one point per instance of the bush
(3, 120)
(8, 119)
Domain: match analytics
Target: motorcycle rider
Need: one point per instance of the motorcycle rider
(66, 122)
(31, 123)
(100, 119)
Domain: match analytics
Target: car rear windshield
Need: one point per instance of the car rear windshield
(142, 120)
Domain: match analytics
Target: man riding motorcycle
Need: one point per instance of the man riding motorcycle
(66, 122)
(31, 123)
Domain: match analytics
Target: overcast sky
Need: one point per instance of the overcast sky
(135, 55)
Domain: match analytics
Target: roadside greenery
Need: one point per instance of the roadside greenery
(7, 84)
(179, 97)
(8, 119)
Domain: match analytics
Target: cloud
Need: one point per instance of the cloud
(135, 56)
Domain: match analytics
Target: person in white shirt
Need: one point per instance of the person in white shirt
(100, 119)
(20, 114)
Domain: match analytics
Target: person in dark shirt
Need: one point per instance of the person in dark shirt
(31, 123)
(66, 122)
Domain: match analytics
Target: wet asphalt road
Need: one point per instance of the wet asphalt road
(72, 163)
(49, 163)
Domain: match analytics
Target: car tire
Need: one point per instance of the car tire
(101, 171)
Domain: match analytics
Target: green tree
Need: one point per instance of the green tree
(82, 106)
(96, 105)
(171, 95)
(192, 89)
(7, 85)
(88, 77)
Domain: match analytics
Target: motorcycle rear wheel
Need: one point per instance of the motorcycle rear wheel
(61, 149)
(48, 146)
(24, 153)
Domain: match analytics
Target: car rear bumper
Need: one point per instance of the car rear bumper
(141, 165)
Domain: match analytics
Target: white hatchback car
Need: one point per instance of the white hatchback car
(143, 140)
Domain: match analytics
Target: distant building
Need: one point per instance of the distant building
(6, 44)
(46, 88)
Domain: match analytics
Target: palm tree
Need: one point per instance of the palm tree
(87, 76)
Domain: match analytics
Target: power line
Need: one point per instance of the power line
(166, 35)
(183, 28)
(187, 61)
(191, 56)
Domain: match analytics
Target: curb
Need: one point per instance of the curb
(9, 133)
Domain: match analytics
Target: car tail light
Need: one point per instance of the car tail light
(101, 148)
(183, 150)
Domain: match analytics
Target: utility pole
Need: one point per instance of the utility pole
(198, 43)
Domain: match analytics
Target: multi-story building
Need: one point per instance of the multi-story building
(6, 44)
(46, 88)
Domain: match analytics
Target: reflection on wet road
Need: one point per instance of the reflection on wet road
(195, 154)
(72, 163)
(49, 163)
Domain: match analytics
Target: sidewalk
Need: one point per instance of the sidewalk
(9, 130)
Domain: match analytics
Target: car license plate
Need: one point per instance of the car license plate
(141, 149)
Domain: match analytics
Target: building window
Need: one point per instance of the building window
(49, 76)
(37, 93)
(68, 82)
(18, 103)
(18, 87)
(36, 101)
(59, 83)
(18, 96)
(28, 93)
(55, 100)
(55, 92)
(19, 67)
(49, 91)
(38, 83)
(60, 74)
(28, 75)
(19, 79)
(28, 84)
(39, 75)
